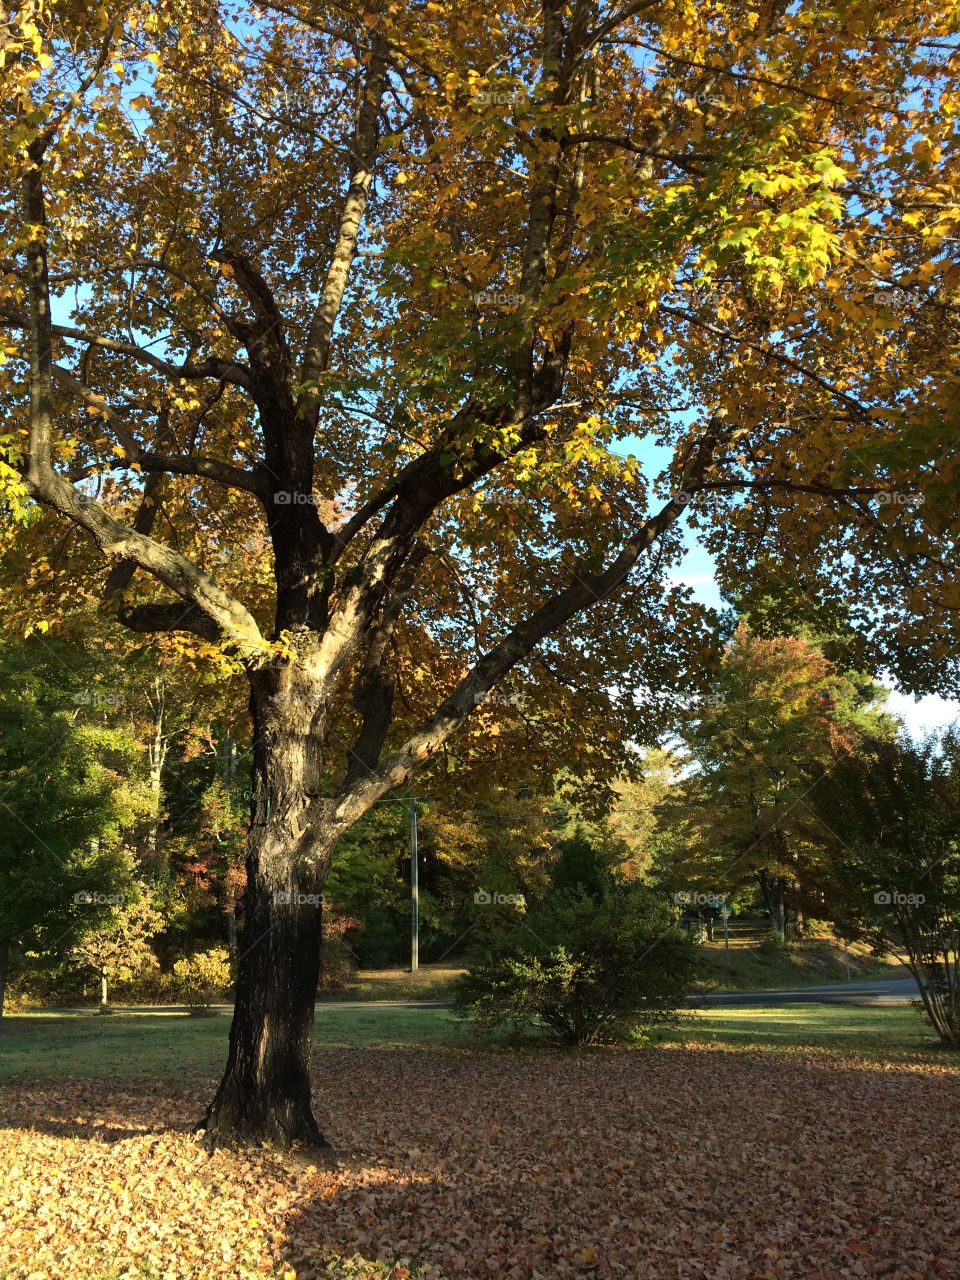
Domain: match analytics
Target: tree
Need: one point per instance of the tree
(117, 946)
(581, 866)
(893, 812)
(777, 715)
(65, 807)
(362, 297)
(202, 977)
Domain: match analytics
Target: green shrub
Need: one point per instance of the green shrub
(337, 965)
(580, 968)
(203, 978)
(773, 945)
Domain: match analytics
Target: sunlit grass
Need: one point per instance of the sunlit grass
(169, 1045)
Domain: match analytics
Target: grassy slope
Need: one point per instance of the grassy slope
(754, 966)
(430, 982)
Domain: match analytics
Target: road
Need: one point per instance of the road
(888, 991)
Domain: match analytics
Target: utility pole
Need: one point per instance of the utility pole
(414, 891)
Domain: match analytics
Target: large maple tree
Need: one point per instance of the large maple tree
(323, 322)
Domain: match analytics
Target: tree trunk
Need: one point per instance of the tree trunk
(232, 934)
(4, 965)
(772, 888)
(104, 1005)
(264, 1096)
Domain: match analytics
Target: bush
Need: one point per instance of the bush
(337, 965)
(203, 978)
(773, 945)
(582, 969)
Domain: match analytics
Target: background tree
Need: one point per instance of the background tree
(69, 794)
(776, 716)
(116, 945)
(294, 282)
(893, 811)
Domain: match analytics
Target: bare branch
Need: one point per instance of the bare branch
(191, 370)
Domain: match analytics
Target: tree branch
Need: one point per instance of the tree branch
(184, 465)
(317, 355)
(584, 589)
(45, 485)
(211, 367)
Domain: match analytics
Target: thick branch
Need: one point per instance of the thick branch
(317, 355)
(43, 483)
(147, 618)
(585, 589)
(375, 684)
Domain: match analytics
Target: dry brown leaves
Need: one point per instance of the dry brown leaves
(661, 1163)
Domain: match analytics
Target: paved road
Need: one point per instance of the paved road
(888, 991)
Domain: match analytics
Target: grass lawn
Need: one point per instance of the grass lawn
(892, 1033)
(749, 966)
(171, 1046)
(430, 982)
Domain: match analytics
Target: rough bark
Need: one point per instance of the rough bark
(264, 1095)
(772, 888)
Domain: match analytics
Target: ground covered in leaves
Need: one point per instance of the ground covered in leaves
(682, 1162)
